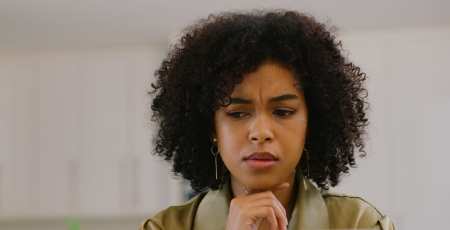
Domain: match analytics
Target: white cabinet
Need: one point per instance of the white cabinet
(76, 135)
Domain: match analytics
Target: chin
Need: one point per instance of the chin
(263, 184)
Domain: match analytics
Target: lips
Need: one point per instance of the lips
(261, 160)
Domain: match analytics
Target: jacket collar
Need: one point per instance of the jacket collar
(310, 210)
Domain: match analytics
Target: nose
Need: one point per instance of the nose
(261, 130)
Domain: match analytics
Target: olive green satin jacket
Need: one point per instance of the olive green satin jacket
(315, 209)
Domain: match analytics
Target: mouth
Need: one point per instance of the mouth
(261, 160)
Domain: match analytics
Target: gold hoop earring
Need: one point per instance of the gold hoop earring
(215, 153)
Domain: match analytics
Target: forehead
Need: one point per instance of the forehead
(269, 78)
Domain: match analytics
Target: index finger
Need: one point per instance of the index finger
(282, 186)
(247, 192)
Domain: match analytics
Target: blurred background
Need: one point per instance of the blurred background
(75, 135)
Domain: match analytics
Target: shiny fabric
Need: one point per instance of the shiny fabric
(314, 209)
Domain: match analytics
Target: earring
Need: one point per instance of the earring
(215, 153)
(307, 161)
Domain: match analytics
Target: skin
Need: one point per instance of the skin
(267, 117)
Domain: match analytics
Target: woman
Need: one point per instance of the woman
(251, 107)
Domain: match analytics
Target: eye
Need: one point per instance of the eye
(236, 114)
(283, 112)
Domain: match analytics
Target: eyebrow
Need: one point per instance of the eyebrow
(238, 100)
(285, 97)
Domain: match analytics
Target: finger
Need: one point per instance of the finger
(280, 213)
(282, 186)
(270, 216)
(261, 199)
(282, 224)
(258, 206)
(278, 204)
(275, 221)
(269, 200)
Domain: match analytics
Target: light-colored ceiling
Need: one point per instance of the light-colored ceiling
(55, 24)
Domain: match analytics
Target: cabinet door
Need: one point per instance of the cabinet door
(57, 133)
(76, 135)
(17, 130)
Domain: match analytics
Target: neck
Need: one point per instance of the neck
(288, 196)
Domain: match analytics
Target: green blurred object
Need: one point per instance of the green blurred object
(74, 224)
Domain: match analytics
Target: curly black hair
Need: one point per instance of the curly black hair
(201, 70)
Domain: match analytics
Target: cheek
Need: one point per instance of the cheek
(229, 140)
(226, 129)
(231, 143)
(225, 134)
(295, 136)
(230, 148)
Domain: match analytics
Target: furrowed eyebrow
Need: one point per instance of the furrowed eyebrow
(283, 98)
(237, 100)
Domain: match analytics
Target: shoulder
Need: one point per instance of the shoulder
(348, 211)
(174, 217)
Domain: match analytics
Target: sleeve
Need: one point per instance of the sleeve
(178, 217)
(149, 225)
(386, 223)
(349, 212)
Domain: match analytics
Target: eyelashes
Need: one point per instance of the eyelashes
(236, 114)
(283, 112)
(278, 112)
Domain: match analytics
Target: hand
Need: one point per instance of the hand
(247, 211)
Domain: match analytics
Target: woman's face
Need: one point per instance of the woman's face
(261, 134)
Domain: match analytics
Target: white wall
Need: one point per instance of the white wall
(405, 173)
(74, 133)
